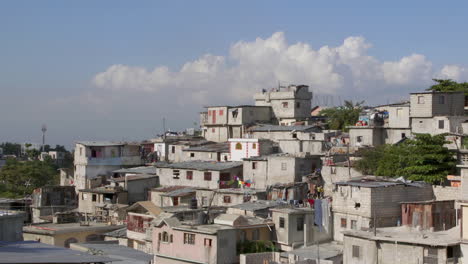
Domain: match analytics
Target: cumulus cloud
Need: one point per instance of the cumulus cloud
(252, 65)
(454, 72)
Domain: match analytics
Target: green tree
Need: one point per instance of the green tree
(423, 158)
(342, 116)
(11, 148)
(447, 85)
(19, 178)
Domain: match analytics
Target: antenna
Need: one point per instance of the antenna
(43, 129)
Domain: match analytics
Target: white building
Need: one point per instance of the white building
(241, 148)
(93, 159)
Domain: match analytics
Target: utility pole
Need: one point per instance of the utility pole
(164, 128)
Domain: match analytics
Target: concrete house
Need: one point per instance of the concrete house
(200, 174)
(52, 199)
(401, 245)
(139, 227)
(97, 200)
(241, 148)
(93, 159)
(289, 104)
(63, 235)
(177, 243)
(208, 152)
(228, 197)
(137, 181)
(357, 202)
(294, 228)
(264, 171)
(220, 123)
(437, 112)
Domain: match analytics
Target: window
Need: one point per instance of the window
(357, 205)
(254, 165)
(420, 99)
(189, 175)
(81, 151)
(356, 250)
(332, 170)
(343, 222)
(94, 197)
(238, 146)
(173, 149)
(254, 146)
(192, 155)
(213, 130)
(175, 174)
(403, 135)
(285, 104)
(449, 252)
(227, 199)
(221, 112)
(283, 165)
(294, 135)
(207, 176)
(189, 239)
(298, 105)
(359, 138)
(441, 124)
(165, 237)
(399, 112)
(255, 234)
(207, 242)
(353, 224)
(281, 220)
(204, 200)
(175, 201)
(93, 153)
(300, 223)
(441, 99)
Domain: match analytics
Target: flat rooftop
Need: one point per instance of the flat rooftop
(105, 143)
(210, 229)
(52, 229)
(138, 170)
(222, 147)
(378, 182)
(122, 254)
(201, 165)
(267, 128)
(405, 234)
(257, 205)
(36, 252)
(325, 251)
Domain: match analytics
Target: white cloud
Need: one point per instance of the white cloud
(454, 72)
(252, 65)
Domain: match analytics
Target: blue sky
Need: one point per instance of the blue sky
(52, 51)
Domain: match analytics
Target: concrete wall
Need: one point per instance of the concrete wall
(399, 116)
(248, 148)
(443, 193)
(370, 136)
(60, 239)
(314, 147)
(248, 115)
(358, 204)
(332, 174)
(204, 155)
(431, 125)
(223, 249)
(138, 189)
(11, 226)
(452, 105)
(393, 135)
(216, 133)
(166, 177)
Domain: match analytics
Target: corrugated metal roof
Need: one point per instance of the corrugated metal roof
(36, 252)
(215, 147)
(147, 205)
(105, 143)
(200, 165)
(267, 128)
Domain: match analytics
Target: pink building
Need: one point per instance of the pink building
(177, 243)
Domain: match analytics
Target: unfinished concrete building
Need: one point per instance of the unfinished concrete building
(94, 159)
(202, 174)
(289, 104)
(268, 170)
(220, 123)
(361, 204)
(52, 199)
